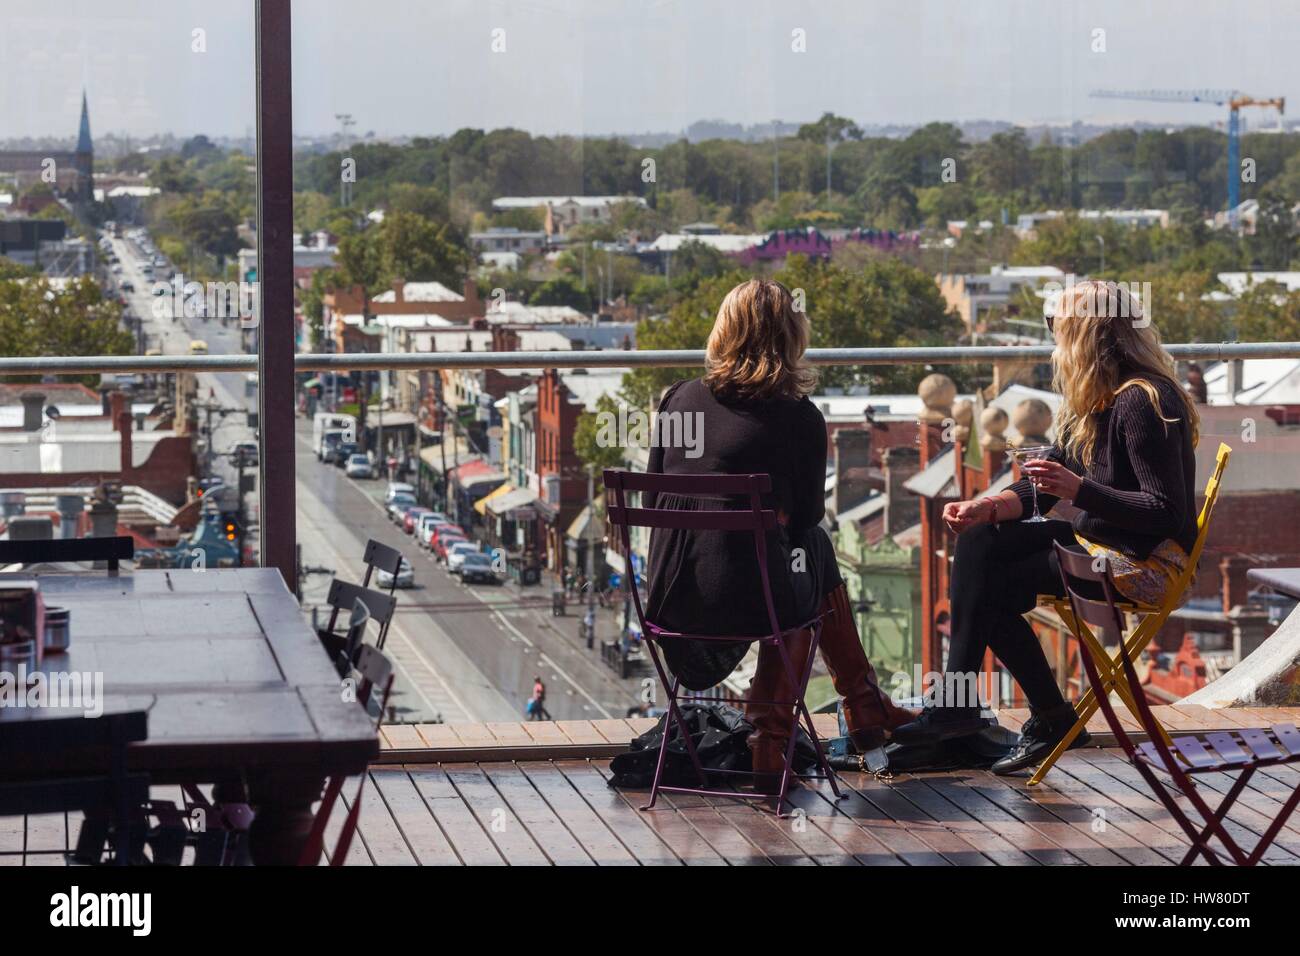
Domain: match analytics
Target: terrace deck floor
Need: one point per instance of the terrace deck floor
(518, 794)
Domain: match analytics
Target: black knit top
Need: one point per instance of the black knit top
(1140, 489)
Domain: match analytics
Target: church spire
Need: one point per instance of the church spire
(84, 144)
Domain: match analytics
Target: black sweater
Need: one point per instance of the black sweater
(708, 582)
(1140, 489)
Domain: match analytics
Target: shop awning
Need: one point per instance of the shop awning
(578, 529)
(481, 505)
(515, 505)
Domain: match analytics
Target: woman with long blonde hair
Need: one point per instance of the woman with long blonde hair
(753, 405)
(1126, 434)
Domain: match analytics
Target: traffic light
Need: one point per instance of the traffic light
(232, 530)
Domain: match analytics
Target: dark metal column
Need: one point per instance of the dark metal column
(275, 339)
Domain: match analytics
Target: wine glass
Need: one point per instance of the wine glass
(1023, 454)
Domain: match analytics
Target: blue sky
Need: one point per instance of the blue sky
(599, 66)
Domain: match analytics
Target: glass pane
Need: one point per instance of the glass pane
(127, 204)
(597, 176)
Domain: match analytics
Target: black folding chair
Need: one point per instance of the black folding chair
(344, 594)
(1229, 751)
(53, 550)
(108, 795)
(380, 557)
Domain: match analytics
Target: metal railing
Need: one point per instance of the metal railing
(584, 358)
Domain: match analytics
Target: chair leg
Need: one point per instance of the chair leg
(1109, 670)
(1199, 846)
(1274, 828)
(1224, 806)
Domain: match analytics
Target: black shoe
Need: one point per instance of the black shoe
(937, 724)
(1038, 738)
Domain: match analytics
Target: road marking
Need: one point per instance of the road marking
(396, 630)
(497, 614)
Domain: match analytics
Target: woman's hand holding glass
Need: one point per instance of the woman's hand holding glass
(1052, 478)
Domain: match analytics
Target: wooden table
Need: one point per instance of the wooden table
(1282, 580)
(238, 690)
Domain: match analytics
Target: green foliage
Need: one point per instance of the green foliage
(562, 290)
(36, 320)
(586, 437)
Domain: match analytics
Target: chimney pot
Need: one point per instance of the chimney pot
(33, 410)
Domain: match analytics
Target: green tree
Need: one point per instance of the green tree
(588, 441)
(36, 320)
(417, 249)
(562, 290)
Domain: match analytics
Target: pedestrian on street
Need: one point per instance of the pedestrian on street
(537, 703)
(589, 625)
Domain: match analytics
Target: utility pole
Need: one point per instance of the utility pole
(591, 555)
(830, 144)
(776, 160)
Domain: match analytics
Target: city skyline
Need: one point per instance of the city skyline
(564, 67)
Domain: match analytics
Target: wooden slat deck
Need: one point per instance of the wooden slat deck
(1093, 810)
(568, 739)
(537, 794)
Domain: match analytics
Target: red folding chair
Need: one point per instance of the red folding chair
(756, 520)
(375, 670)
(1242, 751)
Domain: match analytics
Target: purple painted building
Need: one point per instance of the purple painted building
(814, 243)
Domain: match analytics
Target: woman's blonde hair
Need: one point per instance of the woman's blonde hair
(1105, 343)
(756, 348)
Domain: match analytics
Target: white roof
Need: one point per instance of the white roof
(517, 313)
(532, 202)
(140, 192)
(24, 452)
(1238, 282)
(589, 386)
(1028, 272)
(841, 407)
(417, 320)
(672, 241)
(479, 340)
(864, 509)
(1263, 382)
(421, 292)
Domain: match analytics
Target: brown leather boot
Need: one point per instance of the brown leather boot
(869, 712)
(773, 723)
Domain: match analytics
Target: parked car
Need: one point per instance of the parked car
(343, 453)
(444, 543)
(442, 530)
(248, 449)
(477, 566)
(359, 467)
(456, 555)
(329, 448)
(398, 505)
(428, 521)
(405, 577)
(432, 528)
(411, 517)
(398, 488)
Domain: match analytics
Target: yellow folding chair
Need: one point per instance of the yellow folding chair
(1153, 618)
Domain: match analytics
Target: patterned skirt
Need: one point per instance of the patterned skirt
(1144, 581)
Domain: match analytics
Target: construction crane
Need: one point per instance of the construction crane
(1233, 99)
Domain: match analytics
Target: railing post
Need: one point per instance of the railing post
(275, 333)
